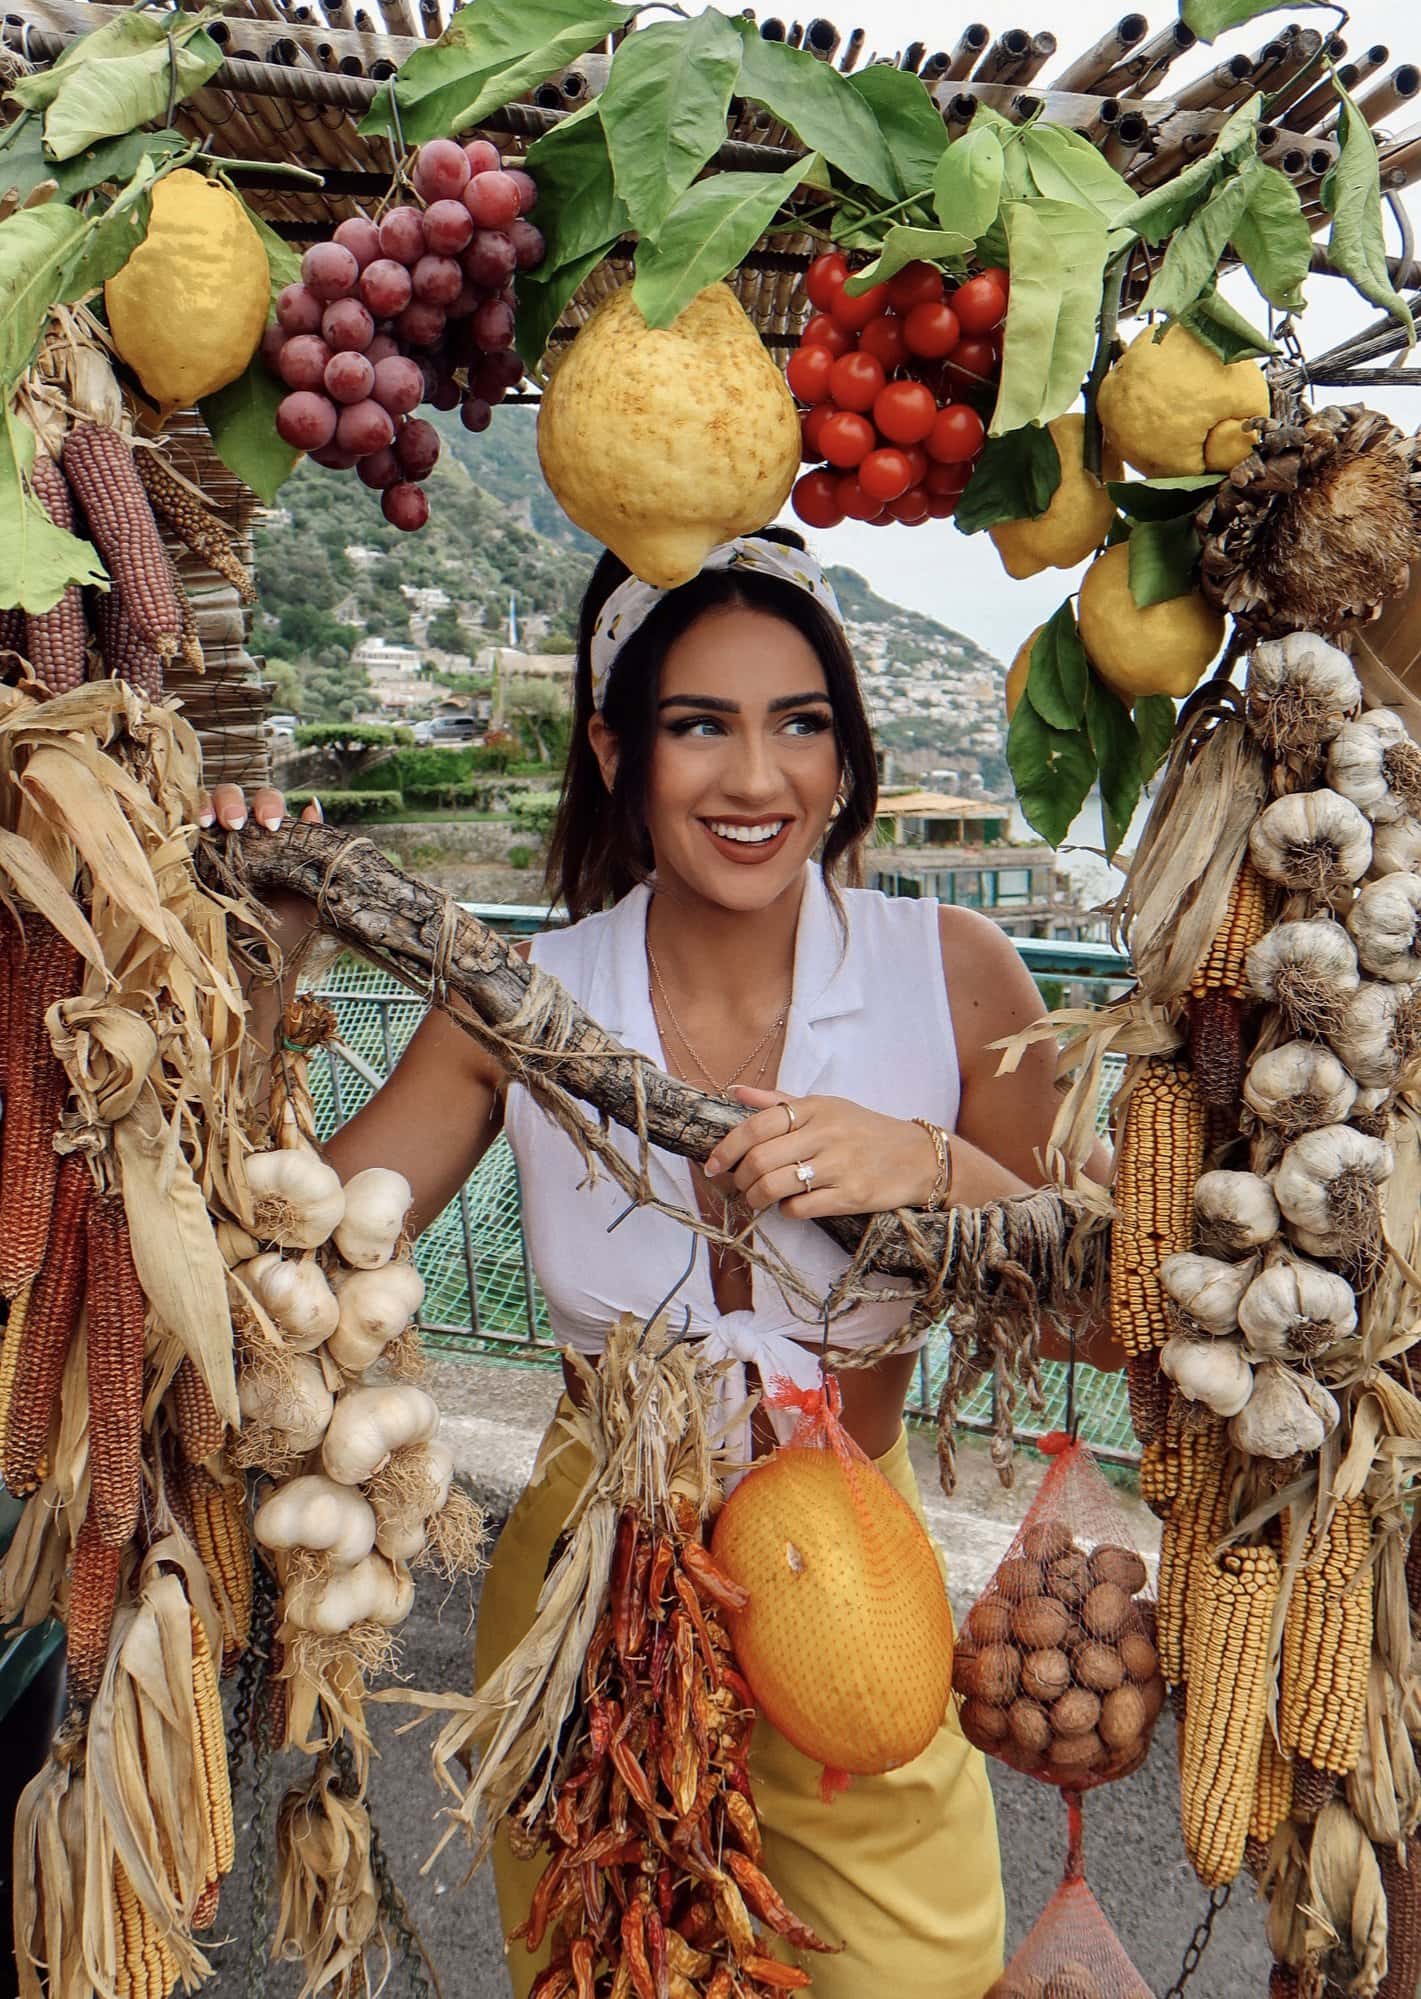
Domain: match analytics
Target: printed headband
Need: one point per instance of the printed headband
(632, 603)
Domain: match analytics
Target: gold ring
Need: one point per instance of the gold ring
(793, 1120)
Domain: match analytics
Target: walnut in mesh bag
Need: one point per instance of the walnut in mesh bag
(1056, 1665)
(1071, 1953)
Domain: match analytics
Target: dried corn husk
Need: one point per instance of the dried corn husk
(1346, 1904)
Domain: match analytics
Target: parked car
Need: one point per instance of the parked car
(449, 729)
(281, 728)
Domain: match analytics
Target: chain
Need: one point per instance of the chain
(1199, 1942)
(722, 1089)
(255, 1668)
(423, 1981)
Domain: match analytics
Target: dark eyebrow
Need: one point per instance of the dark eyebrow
(718, 706)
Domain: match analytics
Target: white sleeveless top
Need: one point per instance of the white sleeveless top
(868, 1020)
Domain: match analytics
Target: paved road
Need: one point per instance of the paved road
(493, 1416)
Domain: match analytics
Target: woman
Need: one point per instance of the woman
(721, 778)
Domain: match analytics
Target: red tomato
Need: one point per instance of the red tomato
(883, 339)
(915, 284)
(883, 518)
(1001, 278)
(812, 430)
(855, 313)
(980, 305)
(942, 506)
(886, 473)
(909, 508)
(957, 434)
(825, 331)
(917, 463)
(808, 373)
(930, 330)
(854, 379)
(946, 481)
(824, 279)
(846, 439)
(854, 500)
(974, 362)
(816, 500)
(905, 412)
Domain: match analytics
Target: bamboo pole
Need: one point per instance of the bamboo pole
(1101, 57)
(821, 38)
(1390, 94)
(1216, 86)
(853, 49)
(1148, 61)
(1000, 62)
(1103, 125)
(911, 57)
(1043, 47)
(970, 44)
(1283, 104)
(1321, 100)
(935, 68)
(1126, 140)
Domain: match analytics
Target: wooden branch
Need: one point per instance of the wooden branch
(441, 952)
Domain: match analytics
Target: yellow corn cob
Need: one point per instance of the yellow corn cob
(88, 1617)
(146, 1968)
(1159, 1157)
(1197, 1519)
(1227, 1717)
(1273, 1792)
(200, 1429)
(223, 1540)
(1224, 969)
(13, 1338)
(212, 1746)
(116, 1311)
(1327, 1643)
(1159, 1474)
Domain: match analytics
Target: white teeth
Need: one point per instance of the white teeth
(747, 836)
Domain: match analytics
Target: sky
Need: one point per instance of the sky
(957, 579)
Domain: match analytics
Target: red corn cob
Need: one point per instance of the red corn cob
(98, 464)
(126, 653)
(49, 1322)
(54, 639)
(116, 1309)
(47, 971)
(93, 1593)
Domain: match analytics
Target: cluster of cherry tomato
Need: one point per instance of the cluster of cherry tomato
(893, 386)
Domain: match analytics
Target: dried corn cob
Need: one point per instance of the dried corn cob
(54, 639)
(1327, 1643)
(54, 1301)
(11, 1341)
(1312, 1789)
(127, 655)
(88, 1616)
(199, 1428)
(1197, 1519)
(1218, 992)
(1273, 1792)
(98, 464)
(215, 1782)
(12, 631)
(47, 971)
(223, 1540)
(1402, 1882)
(116, 1313)
(1413, 1570)
(179, 505)
(146, 1967)
(1159, 1157)
(1282, 1982)
(1159, 1475)
(1148, 1390)
(1224, 1724)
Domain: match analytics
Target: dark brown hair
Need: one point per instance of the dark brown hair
(600, 847)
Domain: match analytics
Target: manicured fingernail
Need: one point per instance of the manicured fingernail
(237, 822)
(271, 820)
(207, 817)
(712, 1167)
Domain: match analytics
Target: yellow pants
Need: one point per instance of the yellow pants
(902, 1869)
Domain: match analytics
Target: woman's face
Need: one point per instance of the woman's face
(745, 768)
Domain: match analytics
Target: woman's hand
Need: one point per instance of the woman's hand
(226, 807)
(861, 1161)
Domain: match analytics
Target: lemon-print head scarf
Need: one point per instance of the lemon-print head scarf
(630, 605)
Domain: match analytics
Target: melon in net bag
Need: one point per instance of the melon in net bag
(846, 1641)
(1071, 1953)
(1055, 1665)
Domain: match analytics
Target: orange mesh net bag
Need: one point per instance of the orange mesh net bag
(1056, 1665)
(1071, 1952)
(846, 1641)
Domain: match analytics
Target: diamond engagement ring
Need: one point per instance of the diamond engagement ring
(804, 1172)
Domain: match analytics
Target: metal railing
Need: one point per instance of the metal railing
(481, 1294)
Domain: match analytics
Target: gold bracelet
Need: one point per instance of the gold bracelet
(942, 1185)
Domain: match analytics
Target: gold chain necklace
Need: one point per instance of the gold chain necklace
(723, 1089)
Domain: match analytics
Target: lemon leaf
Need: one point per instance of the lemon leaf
(1161, 499)
(241, 420)
(1211, 18)
(1273, 238)
(910, 122)
(1163, 557)
(967, 187)
(38, 561)
(1116, 744)
(905, 245)
(1196, 248)
(1014, 479)
(1056, 252)
(542, 300)
(1160, 212)
(1065, 166)
(1233, 338)
(1052, 769)
(663, 110)
(114, 88)
(36, 248)
(1351, 194)
(1154, 718)
(1059, 674)
(712, 228)
(821, 107)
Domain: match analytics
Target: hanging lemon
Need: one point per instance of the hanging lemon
(1019, 672)
(846, 1641)
(189, 307)
(1162, 649)
(1078, 518)
(1173, 406)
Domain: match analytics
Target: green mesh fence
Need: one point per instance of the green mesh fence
(481, 1296)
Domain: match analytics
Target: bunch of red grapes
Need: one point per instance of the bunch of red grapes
(417, 308)
(894, 386)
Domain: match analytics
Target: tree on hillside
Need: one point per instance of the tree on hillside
(353, 747)
(445, 633)
(538, 712)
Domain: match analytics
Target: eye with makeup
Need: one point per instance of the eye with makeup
(808, 721)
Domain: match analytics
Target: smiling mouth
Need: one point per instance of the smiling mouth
(760, 834)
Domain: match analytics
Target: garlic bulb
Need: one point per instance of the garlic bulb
(370, 1424)
(1234, 1211)
(1371, 1103)
(1293, 1310)
(1319, 1243)
(314, 1512)
(1385, 922)
(1377, 1032)
(1306, 969)
(426, 1476)
(1374, 762)
(1316, 842)
(375, 1308)
(1297, 1086)
(296, 1198)
(295, 1292)
(376, 1203)
(1327, 1180)
(1214, 1372)
(1299, 692)
(292, 1399)
(373, 1590)
(1396, 847)
(1285, 1415)
(1207, 1290)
